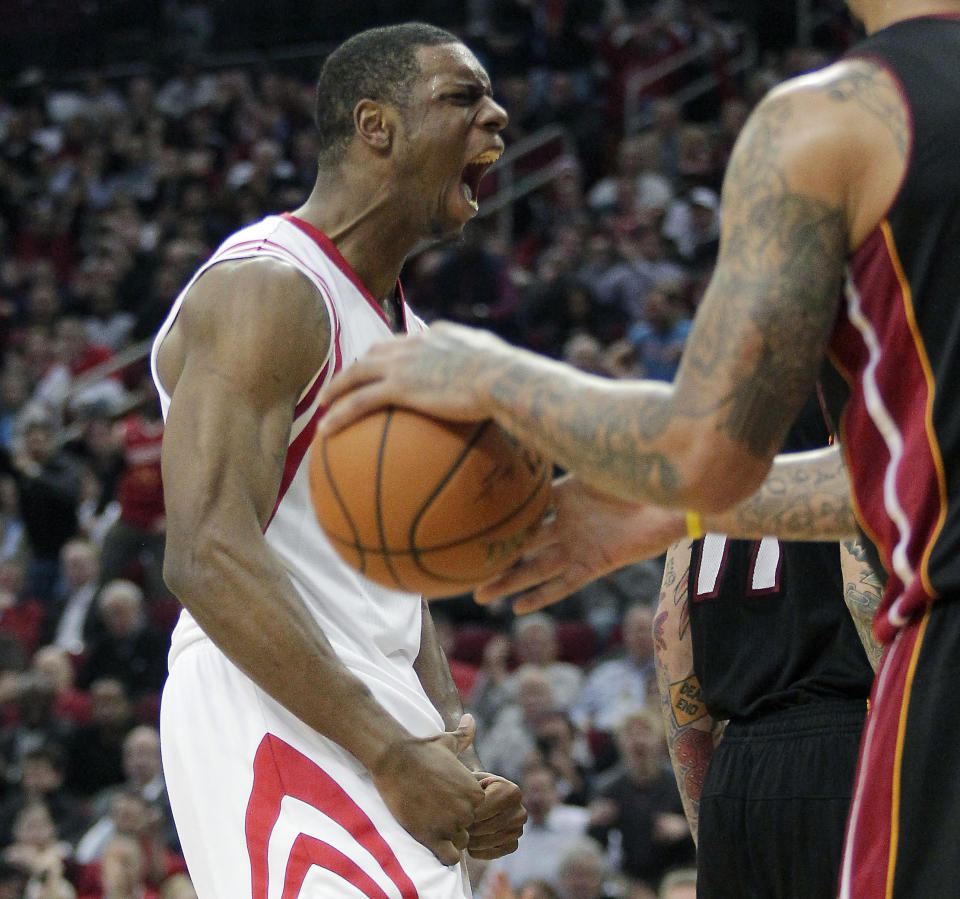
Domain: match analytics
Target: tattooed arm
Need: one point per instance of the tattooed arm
(862, 590)
(809, 177)
(805, 496)
(691, 732)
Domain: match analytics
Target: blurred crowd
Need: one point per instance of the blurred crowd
(113, 190)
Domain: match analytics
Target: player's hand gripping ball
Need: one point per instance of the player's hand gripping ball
(424, 505)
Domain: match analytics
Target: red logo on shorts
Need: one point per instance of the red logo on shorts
(280, 770)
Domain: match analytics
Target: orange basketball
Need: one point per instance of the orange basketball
(424, 505)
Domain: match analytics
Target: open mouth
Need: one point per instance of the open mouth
(473, 173)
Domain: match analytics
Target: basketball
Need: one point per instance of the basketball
(424, 505)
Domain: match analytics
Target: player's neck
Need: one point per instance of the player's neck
(883, 13)
(361, 222)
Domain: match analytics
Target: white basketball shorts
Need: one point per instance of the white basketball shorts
(267, 809)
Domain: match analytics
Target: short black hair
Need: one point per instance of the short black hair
(377, 64)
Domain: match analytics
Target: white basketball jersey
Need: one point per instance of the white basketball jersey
(374, 630)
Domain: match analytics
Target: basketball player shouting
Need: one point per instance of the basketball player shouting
(841, 221)
(312, 737)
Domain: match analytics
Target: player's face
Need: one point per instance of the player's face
(451, 136)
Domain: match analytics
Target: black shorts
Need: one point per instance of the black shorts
(774, 804)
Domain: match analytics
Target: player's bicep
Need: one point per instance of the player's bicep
(250, 338)
(765, 320)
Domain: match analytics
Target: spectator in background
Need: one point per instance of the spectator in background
(489, 693)
(693, 225)
(510, 740)
(559, 744)
(13, 879)
(62, 390)
(536, 646)
(42, 780)
(463, 673)
(138, 536)
(130, 817)
(143, 775)
(636, 185)
(34, 724)
(129, 649)
(619, 686)
(637, 799)
(14, 393)
(643, 263)
(499, 888)
(121, 872)
(95, 750)
(550, 829)
(177, 886)
(678, 883)
(101, 462)
(56, 666)
(13, 535)
(71, 622)
(583, 872)
(38, 848)
(21, 615)
(48, 485)
(659, 337)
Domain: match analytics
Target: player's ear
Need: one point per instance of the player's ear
(375, 124)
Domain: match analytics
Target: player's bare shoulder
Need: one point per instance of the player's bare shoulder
(841, 133)
(259, 314)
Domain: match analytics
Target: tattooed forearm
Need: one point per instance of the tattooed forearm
(862, 593)
(806, 496)
(868, 85)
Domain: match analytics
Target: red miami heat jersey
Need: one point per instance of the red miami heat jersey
(374, 630)
(897, 342)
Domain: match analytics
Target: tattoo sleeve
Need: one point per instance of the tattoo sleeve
(689, 729)
(752, 356)
(868, 85)
(861, 592)
(806, 496)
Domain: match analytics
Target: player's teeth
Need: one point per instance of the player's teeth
(486, 157)
(467, 193)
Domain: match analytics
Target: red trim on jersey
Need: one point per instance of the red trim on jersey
(308, 852)
(298, 448)
(336, 257)
(905, 385)
(873, 829)
(279, 770)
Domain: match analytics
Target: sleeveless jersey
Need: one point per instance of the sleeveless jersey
(769, 627)
(374, 630)
(897, 340)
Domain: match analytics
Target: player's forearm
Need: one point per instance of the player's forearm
(687, 725)
(433, 670)
(244, 601)
(805, 496)
(862, 591)
(637, 440)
